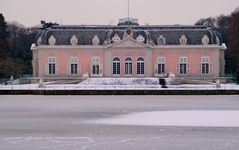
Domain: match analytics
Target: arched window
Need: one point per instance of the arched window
(140, 66)
(128, 66)
(74, 65)
(116, 66)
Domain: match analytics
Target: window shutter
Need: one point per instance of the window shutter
(156, 69)
(78, 69)
(165, 69)
(210, 69)
(188, 69)
(91, 69)
(178, 68)
(101, 68)
(69, 68)
(46, 69)
(57, 68)
(200, 68)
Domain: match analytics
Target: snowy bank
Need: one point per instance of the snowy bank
(118, 84)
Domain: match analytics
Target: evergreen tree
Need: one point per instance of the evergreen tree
(4, 49)
(5, 63)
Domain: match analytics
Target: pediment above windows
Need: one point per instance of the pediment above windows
(128, 43)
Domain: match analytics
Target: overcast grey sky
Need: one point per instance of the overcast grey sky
(30, 12)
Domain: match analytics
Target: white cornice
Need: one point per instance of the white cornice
(141, 45)
(214, 46)
(69, 47)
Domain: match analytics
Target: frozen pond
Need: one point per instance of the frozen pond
(188, 118)
(63, 123)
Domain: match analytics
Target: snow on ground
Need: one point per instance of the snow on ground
(203, 118)
(19, 87)
(121, 81)
(118, 83)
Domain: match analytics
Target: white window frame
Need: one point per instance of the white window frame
(74, 61)
(52, 61)
(95, 61)
(205, 60)
(128, 69)
(182, 61)
(140, 62)
(161, 61)
(118, 66)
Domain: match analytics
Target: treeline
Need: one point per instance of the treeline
(233, 44)
(228, 27)
(15, 48)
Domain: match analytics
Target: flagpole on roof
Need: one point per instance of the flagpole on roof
(128, 12)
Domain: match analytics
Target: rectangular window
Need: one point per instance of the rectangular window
(96, 69)
(52, 69)
(183, 65)
(74, 70)
(183, 68)
(205, 65)
(52, 65)
(205, 68)
(161, 68)
(95, 65)
(161, 65)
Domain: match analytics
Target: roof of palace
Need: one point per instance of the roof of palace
(85, 33)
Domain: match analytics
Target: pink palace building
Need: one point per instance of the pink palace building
(128, 50)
